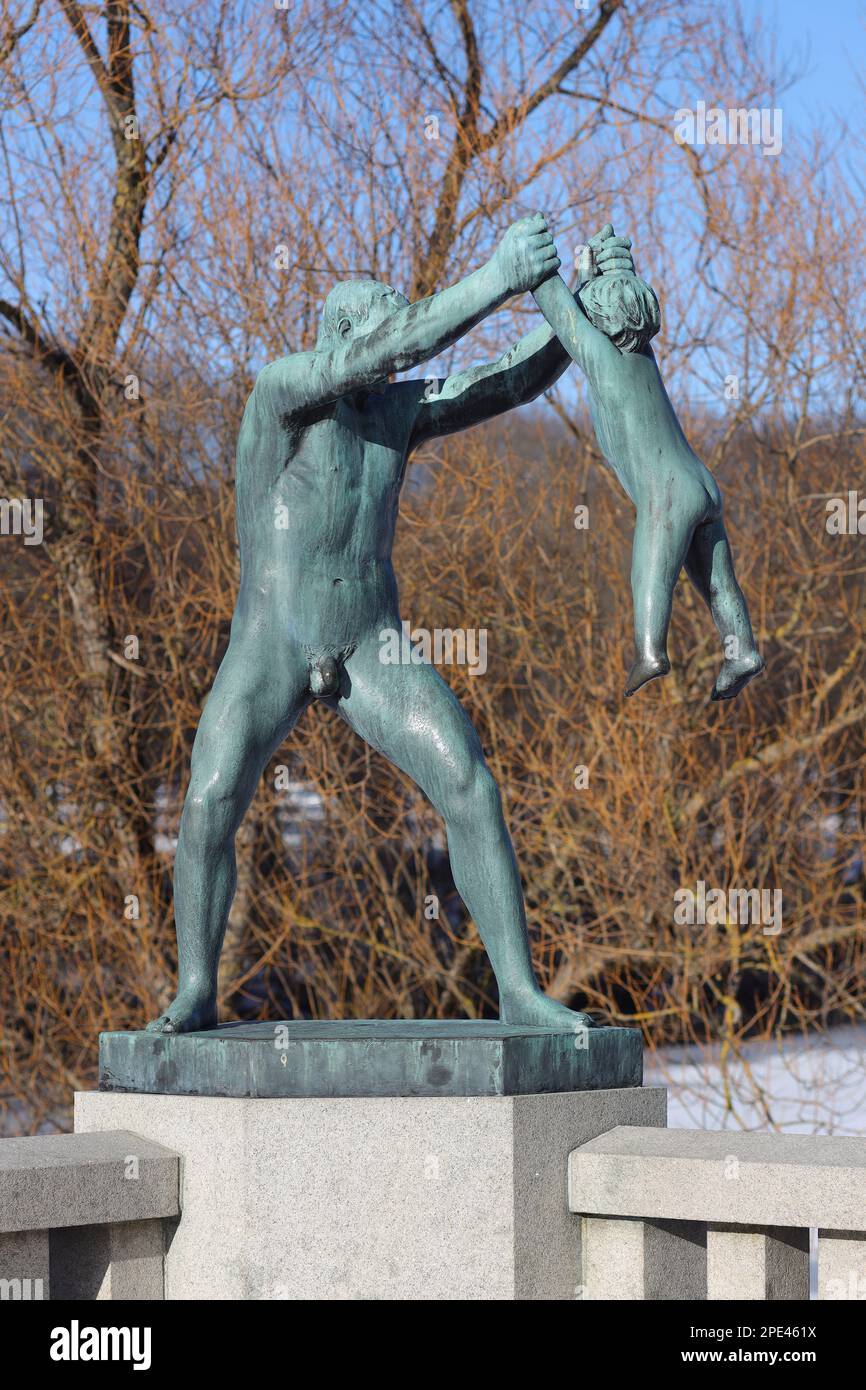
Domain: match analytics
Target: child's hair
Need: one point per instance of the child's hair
(623, 307)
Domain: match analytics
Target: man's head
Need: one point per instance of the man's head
(355, 307)
(624, 307)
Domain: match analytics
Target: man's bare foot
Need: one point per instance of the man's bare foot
(539, 1011)
(190, 1012)
(645, 669)
(734, 675)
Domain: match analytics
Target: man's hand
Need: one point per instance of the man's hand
(526, 254)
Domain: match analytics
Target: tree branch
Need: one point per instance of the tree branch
(115, 81)
(469, 141)
(12, 37)
(770, 756)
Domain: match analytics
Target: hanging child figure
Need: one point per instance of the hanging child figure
(607, 329)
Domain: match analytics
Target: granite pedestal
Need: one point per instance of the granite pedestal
(347, 1193)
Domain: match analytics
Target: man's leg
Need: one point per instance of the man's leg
(410, 715)
(710, 567)
(257, 696)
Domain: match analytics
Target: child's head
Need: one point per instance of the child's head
(623, 307)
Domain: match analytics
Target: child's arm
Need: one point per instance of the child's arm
(588, 346)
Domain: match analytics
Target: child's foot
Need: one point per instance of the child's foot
(734, 675)
(645, 669)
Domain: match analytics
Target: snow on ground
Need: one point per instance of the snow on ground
(815, 1084)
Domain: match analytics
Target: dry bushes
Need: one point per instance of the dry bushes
(140, 290)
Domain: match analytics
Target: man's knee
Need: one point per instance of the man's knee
(471, 796)
(211, 814)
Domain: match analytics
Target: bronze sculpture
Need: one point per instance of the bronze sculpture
(321, 458)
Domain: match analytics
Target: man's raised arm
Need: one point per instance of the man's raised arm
(416, 332)
(467, 398)
(530, 367)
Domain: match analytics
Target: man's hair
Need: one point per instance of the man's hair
(350, 299)
(624, 307)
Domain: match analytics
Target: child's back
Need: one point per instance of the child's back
(636, 426)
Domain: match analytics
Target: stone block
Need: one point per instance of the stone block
(123, 1261)
(760, 1263)
(448, 1197)
(726, 1178)
(24, 1266)
(58, 1180)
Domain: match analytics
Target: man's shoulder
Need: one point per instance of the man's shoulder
(285, 380)
(275, 373)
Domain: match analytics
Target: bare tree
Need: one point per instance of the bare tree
(180, 191)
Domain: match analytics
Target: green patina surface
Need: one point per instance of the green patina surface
(606, 329)
(371, 1058)
(323, 448)
(322, 454)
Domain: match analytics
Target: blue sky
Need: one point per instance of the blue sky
(829, 36)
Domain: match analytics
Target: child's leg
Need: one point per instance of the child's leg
(710, 567)
(661, 540)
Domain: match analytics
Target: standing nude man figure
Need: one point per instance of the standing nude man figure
(323, 446)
